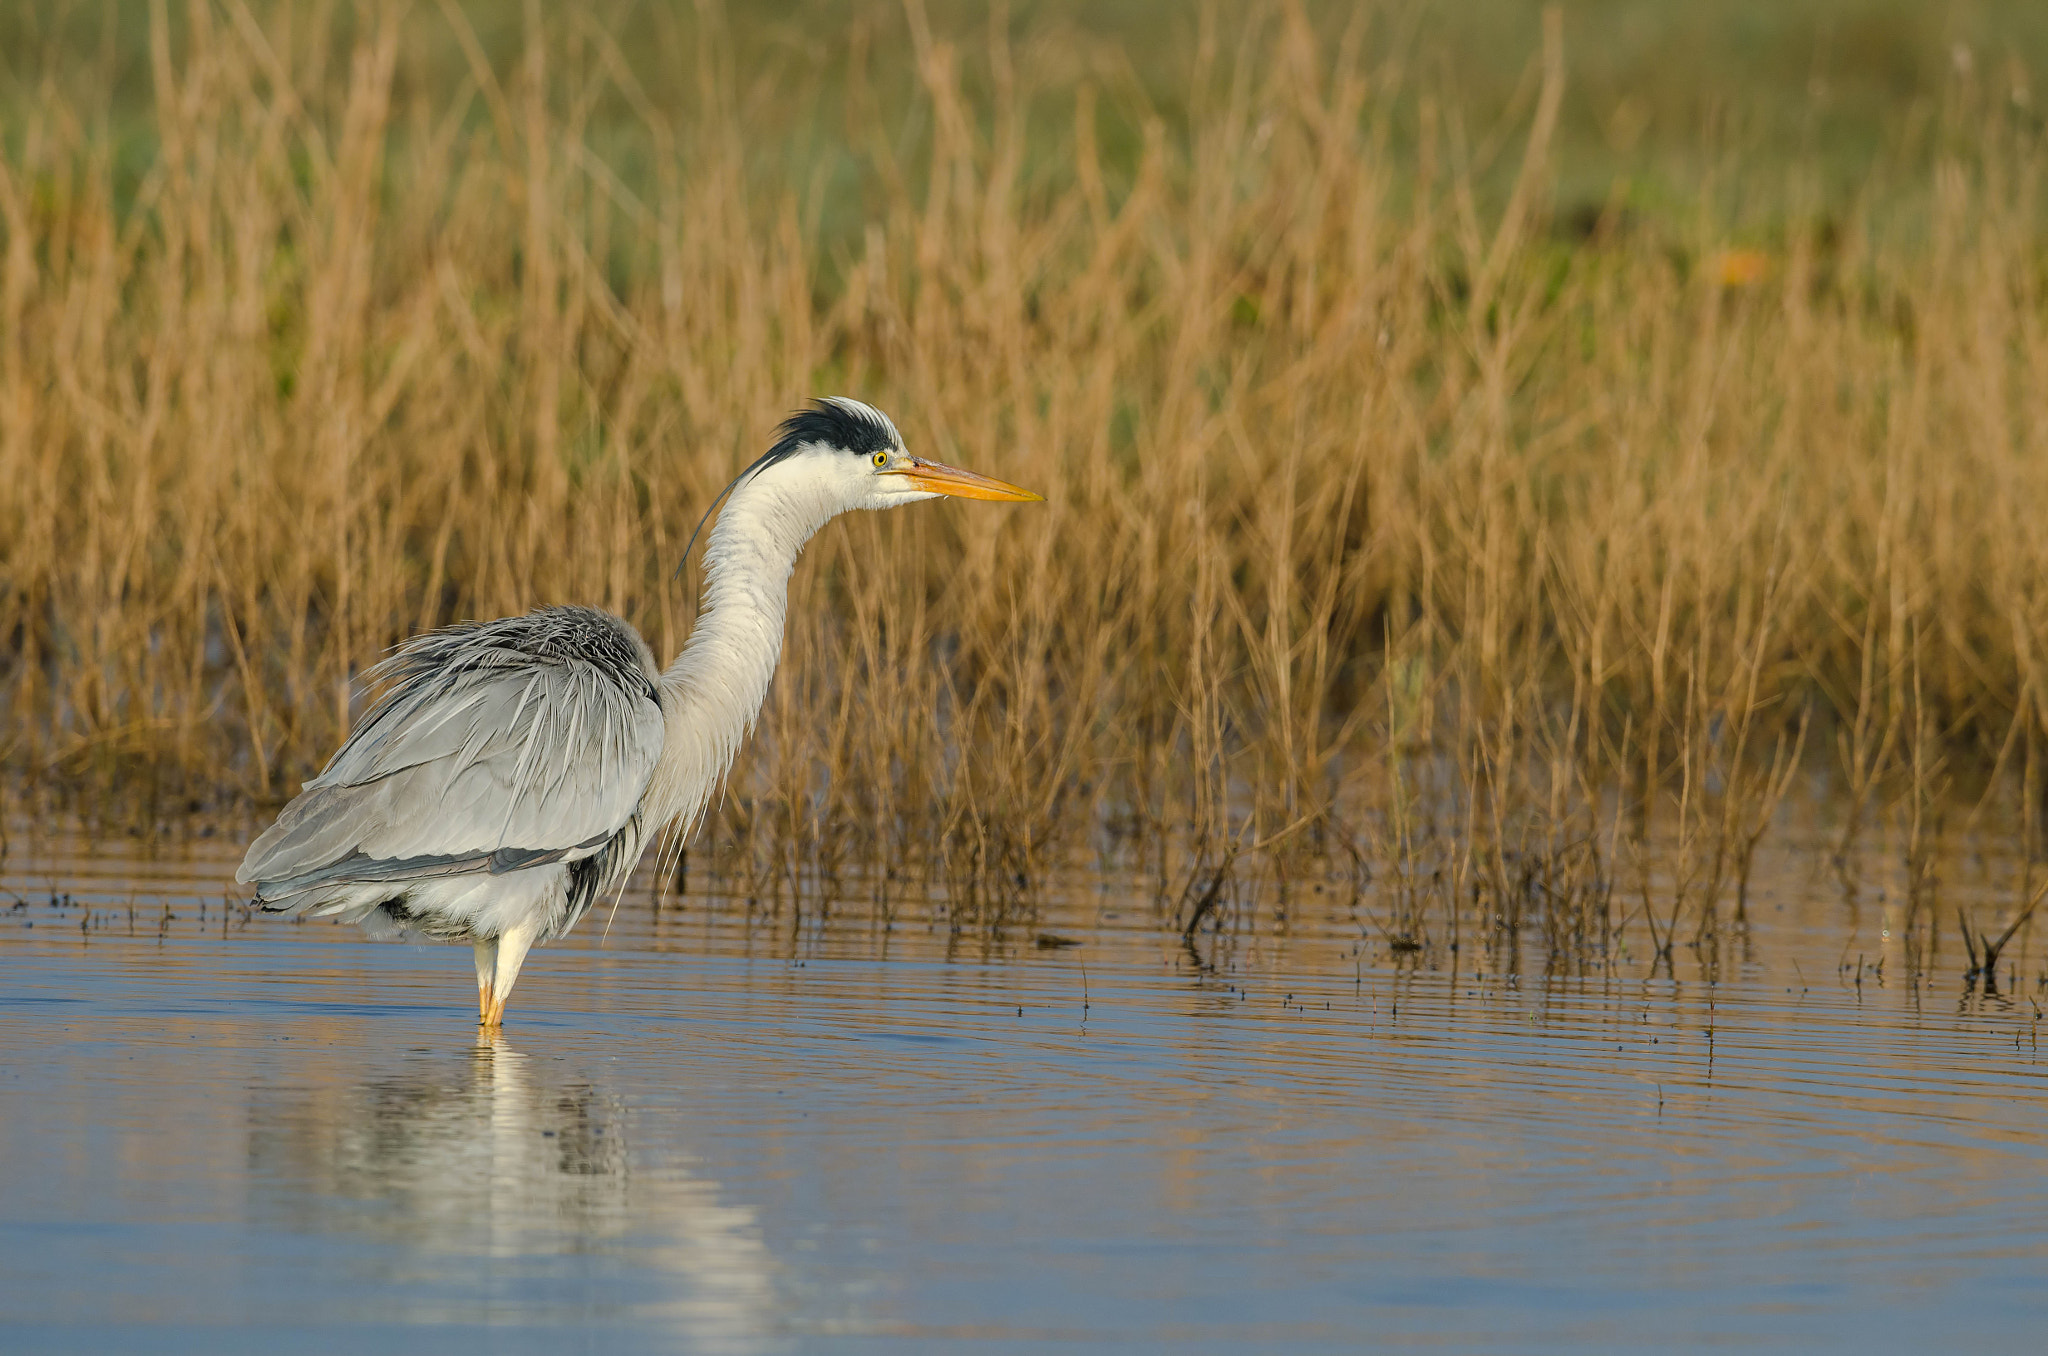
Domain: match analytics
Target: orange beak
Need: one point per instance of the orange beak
(942, 479)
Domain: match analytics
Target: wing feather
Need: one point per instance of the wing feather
(499, 746)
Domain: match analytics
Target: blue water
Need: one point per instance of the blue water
(223, 1135)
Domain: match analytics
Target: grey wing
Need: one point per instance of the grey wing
(503, 745)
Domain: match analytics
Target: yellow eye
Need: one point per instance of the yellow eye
(881, 458)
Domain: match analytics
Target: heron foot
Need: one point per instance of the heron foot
(493, 987)
(486, 980)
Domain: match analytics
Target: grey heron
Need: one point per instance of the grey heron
(512, 770)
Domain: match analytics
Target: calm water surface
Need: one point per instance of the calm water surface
(705, 1133)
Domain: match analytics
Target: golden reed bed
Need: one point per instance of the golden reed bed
(1507, 571)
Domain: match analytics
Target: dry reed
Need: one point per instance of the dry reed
(1515, 576)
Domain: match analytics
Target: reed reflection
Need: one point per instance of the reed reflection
(498, 1180)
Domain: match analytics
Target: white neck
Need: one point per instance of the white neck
(712, 692)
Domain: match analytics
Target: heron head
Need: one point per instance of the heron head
(854, 448)
(840, 454)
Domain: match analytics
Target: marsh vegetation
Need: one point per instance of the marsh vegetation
(1512, 559)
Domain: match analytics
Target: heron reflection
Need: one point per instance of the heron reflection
(498, 1183)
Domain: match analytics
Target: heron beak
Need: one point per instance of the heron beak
(941, 479)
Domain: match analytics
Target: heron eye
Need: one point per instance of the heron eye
(881, 458)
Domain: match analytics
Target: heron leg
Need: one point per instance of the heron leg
(486, 963)
(512, 946)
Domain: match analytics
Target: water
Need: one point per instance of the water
(715, 1133)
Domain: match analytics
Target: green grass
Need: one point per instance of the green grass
(1670, 109)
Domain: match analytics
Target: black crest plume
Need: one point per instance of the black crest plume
(834, 421)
